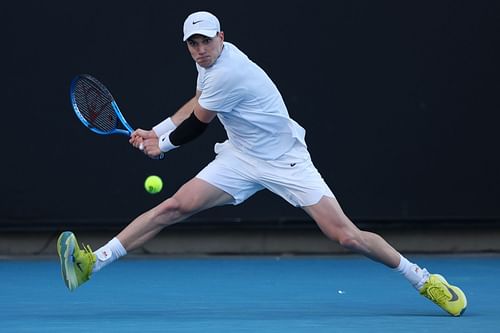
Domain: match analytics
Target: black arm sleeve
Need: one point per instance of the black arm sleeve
(188, 130)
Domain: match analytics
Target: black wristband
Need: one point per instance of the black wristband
(189, 129)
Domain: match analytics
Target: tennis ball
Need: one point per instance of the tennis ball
(153, 184)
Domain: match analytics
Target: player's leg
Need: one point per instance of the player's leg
(337, 226)
(77, 264)
(194, 196)
(220, 182)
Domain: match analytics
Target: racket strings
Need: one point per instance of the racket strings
(95, 105)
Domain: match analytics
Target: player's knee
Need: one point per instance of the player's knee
(350, 241)
(168, 212)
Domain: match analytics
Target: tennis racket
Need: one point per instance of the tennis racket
(96, 108)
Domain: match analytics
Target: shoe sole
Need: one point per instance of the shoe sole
(65, 249)
(459, 292)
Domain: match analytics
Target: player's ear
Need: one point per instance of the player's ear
(221, 35)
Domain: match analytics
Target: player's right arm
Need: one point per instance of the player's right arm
(185, 111)
(188, 130)
(189, 122)
(147, 140)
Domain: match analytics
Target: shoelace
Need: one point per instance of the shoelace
(438, 293)
(87, 251)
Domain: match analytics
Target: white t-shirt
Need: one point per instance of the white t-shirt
(248, 105)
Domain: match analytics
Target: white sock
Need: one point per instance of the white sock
(413, 273)
(108, 253)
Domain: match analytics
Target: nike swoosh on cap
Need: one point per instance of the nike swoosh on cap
(196, 22)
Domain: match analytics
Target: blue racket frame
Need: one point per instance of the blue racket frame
(128, 129)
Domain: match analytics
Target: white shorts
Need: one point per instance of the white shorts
(292, 176)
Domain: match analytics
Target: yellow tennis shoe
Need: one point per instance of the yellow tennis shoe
(76, 264)
(450, 298)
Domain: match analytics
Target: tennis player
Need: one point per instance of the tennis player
(265, 149)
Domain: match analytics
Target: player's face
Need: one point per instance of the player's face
(205, 50)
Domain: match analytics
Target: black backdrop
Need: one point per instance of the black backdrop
(399, 99)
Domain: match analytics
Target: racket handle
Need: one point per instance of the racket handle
(141, 146)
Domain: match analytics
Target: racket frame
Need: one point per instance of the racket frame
(128, 129)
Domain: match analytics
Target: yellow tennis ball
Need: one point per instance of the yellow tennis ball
(153, 184)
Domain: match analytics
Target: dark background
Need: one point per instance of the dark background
(399, 100)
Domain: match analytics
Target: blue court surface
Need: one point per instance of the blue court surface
(245, 294)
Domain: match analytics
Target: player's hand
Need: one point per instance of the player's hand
(147, 141)
(136, 139)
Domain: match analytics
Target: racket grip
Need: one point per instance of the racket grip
(141, 146)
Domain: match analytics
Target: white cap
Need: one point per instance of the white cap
(202, 23)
